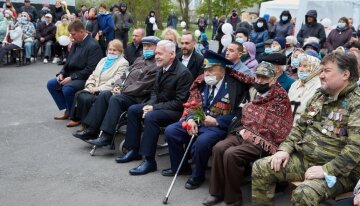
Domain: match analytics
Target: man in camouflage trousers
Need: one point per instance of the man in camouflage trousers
(323, 149)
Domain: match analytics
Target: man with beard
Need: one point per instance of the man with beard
(322, 149)
(171, 90)
(123, 23)
(189, 57)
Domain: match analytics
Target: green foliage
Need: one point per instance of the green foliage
(224, 7)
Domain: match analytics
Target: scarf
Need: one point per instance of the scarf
(313, 64)
(268, 119)
(108, 63)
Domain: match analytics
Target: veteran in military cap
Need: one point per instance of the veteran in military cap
(263, 125)
(279, 61)
(322, 149)
(215, 99)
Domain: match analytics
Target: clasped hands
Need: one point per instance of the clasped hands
(61, 80)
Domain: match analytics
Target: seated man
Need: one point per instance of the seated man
(188, 55)
(45, 35)
(323, 148)
(219, 96)
(84, 55)
(265, 123)
(233, 53)
(171, 90)
(279, 61)
(132, 88)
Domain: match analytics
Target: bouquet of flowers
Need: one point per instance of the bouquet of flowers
(196, 110)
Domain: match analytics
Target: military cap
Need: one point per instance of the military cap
(212, 59)
(150, 40)
(266, 69)
(275, 58)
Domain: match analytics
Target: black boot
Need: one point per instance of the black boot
(104, 139)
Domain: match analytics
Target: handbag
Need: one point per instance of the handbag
(155, 27)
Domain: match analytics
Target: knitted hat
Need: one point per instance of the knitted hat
(281, 41)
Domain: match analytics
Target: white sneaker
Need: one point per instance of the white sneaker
(32, 59)
(55, 60)
(45, 61)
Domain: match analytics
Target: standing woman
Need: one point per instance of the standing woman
(339, 36)
(150, 26)
(61, 51)
(284, 27)
(219, 33)
(107, 71)
(10, 7)
(29, 33)
(59, 11)
(106, 27)
(90, 22)
(259, 35)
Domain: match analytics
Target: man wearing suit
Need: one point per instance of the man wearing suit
(171, 90)
(189, 57)
(84, 55)
(219, 96)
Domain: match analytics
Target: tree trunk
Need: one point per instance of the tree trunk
(210, 14)
(184, 8)
(158, 14)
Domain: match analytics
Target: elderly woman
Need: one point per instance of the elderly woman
(3, 27)
(173, 36)
(29, 33)
(307, 84)
(13, 40)
(61, 51)
(293, 66)
(108, 70)
(339, 36)
(249, 55)
(264, 124)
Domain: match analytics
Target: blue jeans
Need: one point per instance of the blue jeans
(62, 95)
(28, 48)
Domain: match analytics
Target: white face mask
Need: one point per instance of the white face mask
(275, 48)
(210, 80)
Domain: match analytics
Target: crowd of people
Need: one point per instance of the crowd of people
(284, 106)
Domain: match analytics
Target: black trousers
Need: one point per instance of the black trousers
(106, 110)
(82, 103)
(122, 36)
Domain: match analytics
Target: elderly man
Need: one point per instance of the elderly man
(188, 56)
(45, 35)
(84, 55)
(218, 96)
(323, 148)
(233, 53)
(279, 61)
(171, 90)
(132, 88)
(134, 49)
(264, 124)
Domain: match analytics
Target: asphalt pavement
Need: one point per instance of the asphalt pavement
(43, 164)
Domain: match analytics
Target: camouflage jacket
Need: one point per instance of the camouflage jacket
(328, 132)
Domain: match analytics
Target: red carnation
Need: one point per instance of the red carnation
(186, 105)
(193, 103)
(184, 125)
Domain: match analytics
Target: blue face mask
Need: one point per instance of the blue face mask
(284, 18)
(295, 62)
(148, 54)
(112, 56)
(341, 25)
(303, 75)
(268, 50)
(260, 24)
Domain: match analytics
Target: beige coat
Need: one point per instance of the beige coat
(105, 80)
(302, 94)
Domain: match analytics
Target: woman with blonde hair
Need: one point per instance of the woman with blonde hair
(107, 71)
(305, 87)
(173, 36)
(61, 51)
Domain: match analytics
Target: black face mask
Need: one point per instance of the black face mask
(7, 6)
(262, 88)
(234, 14)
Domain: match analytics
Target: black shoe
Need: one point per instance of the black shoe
(88, 133)
(102, 140)
(61, 62)
(212, 200)
(145, 167)
(194, 183)
(169, 173)
(128, 157)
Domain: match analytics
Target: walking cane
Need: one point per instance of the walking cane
(177, 171)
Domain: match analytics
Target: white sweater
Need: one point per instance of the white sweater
(16, 36)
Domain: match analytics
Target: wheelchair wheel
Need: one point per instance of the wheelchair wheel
(122, 148)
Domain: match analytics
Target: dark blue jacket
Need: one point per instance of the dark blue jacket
(259, 38)
(106, 24)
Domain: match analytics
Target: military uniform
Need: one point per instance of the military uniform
(328, 135)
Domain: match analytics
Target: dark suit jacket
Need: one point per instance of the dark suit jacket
(131, 52)
(195, 64)
(82, 59)
(171, 88)
(238, 93)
